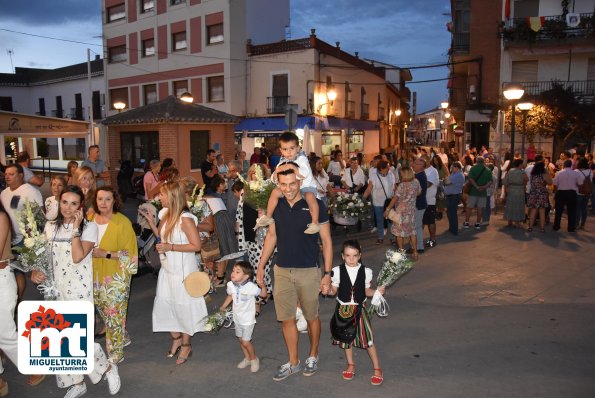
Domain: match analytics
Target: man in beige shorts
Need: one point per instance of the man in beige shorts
(297, 271)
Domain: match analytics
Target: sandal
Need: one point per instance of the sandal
(347, 374)
(414, 256)
(181, 360)
(171, 354)
(262, 300)
(35, 380)
(541, 229)
(377, 380)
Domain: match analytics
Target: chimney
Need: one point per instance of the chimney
(312, 38)
(337, 43)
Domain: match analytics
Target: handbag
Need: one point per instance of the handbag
(344, 322)
(209, 249)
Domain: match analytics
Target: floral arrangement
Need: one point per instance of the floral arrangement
(257, 192)
(217, 320)
(349, 205)
(395, 266)
(157, 204)
(34, 254)
(196, 204)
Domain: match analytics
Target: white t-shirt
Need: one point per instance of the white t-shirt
(334, 168)
(244, 302)
(321, 182)
(444, 158)
(434, 178)
(25, 191)
(382, 187)
(352, 272)
(305, 171)
(359, 177)
(101, 228)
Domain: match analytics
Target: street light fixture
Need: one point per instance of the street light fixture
(187, 97)
(513, 92)
(399, 140)
(119, 105)
(331, 96)
(525, 107)
(444, 104)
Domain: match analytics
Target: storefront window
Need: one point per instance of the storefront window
(140, 147)
(329, 141)
(355, 142)
(72, 149)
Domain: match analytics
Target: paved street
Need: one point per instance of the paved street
(490, 313)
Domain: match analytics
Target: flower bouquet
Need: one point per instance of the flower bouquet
(157, 204)
(349, 207)
(217, 320)
(34, 254)
(196, 204)
(395, 266)
(257, 192)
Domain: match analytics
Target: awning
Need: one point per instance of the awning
(273, 124)
(333, 123)
(476, 117)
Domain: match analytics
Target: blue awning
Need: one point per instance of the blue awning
(313, 122)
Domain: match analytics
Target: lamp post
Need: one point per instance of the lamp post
(525, 107)
(399, 140)
(444, 104)
(513, 92)
(187, 97)
(119, 105)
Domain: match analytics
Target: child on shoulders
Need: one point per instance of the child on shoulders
(291, 154)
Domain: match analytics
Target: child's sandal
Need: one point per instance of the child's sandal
(377, 380)
(347, 374)
(312, 229)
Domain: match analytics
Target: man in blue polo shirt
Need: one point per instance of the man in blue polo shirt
(297, 271)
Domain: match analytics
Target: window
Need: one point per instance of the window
(119, 94)
(147, 6)
(41, 107)
(174, 2)
(48, 147)
(117, 54)
(139, 147)
(215, 34)
(78, 107)
(148, 47)
(72, 148)
(524, 71)
(179, 41)
(280, 90)
(6, 104)
(180, 87)
(215, 89)
(59, 112)
(199, 143)
(526, 8)
(96, 101)
(116, 13)
(150, 93)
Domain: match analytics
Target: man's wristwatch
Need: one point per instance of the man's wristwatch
(327, 273)
(108, 255)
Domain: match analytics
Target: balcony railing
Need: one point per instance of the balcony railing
(77, 113)
(351, 109)
(58, 113)
(582, 89)
(381, 114)
(460, 42)
(551, 28)
(365, 112)
(277, 104)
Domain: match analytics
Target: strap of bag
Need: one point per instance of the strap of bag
(382, 185)
(479, 176)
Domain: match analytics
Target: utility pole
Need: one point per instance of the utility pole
(10, 53)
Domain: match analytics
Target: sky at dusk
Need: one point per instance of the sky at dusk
(400, 32)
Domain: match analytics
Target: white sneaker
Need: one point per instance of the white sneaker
(374, 229)
(113, 379)
(254, 365)
(244, 364)
(78, 390)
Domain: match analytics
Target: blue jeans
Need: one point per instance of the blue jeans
(581, 209)
(419, 226)
(452, 204)
(379, 214)
(487, 211)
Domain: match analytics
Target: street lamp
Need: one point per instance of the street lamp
(525, 107)
(331, 96)
(444, 104)
(399, 140)
(187, 97)
(119, 105)
(513, 92)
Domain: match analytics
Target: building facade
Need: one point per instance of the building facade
(330, 97)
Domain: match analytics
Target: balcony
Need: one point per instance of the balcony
(553, 29)
(350, 109)
(277, 104)
(584, 90)
(460, 43)
(57, 113)
(381, 114)
(365, 112)
(77, 113)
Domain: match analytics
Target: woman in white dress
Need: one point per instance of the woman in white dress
(71, 239)
(174, 310)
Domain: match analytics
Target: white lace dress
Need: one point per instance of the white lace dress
(174, 310)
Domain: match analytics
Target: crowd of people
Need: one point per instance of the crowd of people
(94, 248)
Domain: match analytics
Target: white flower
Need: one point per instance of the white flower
(350, 204)
(190, 204)
(361, 204)
(396, 257)
(29, 242)
(254, 185)
(208, 327)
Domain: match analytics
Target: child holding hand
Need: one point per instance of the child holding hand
(242, 292)
(351, 282)
(292, 156)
